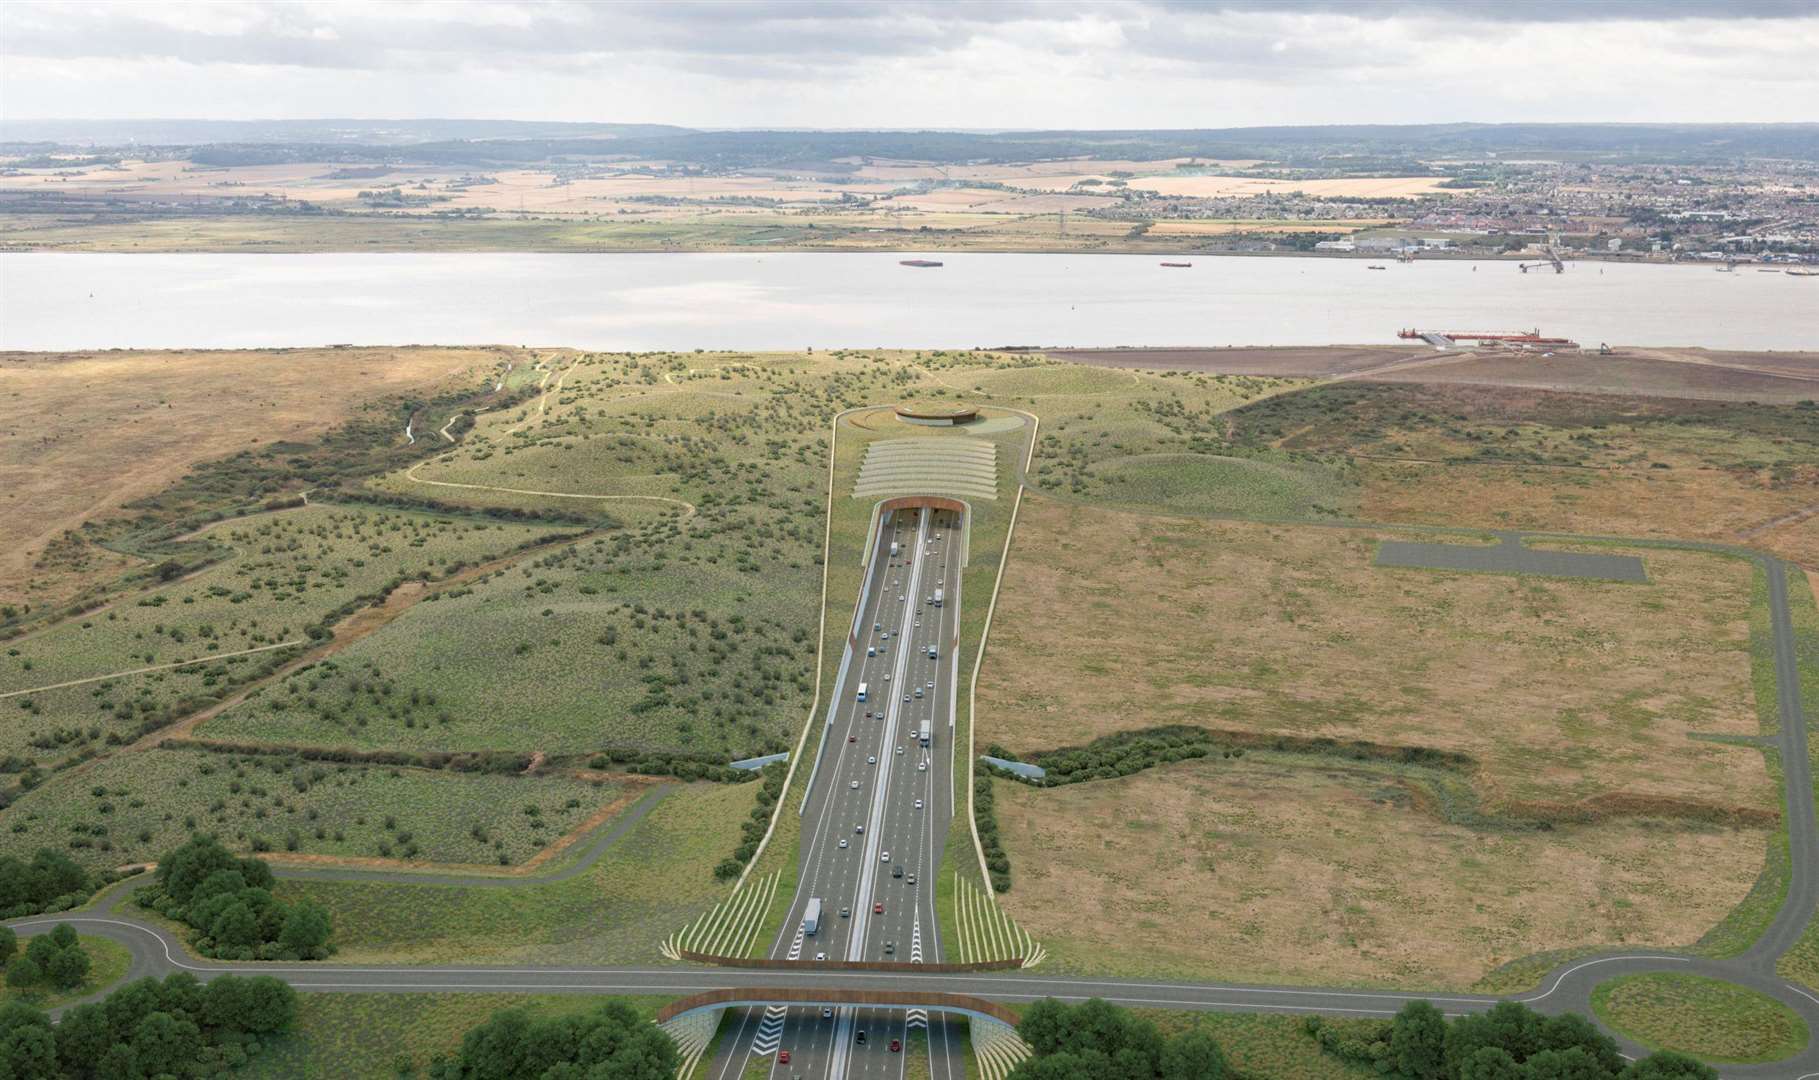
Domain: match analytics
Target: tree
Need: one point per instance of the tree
(63, 936)
(9, 943)
(1418, 1041)
(83, 1039)
(68, 968)
(1573, 1063)
(1194, 1055)
(1509, 1026)
(1570, 1031)
(1668, 1065)
(306, 928)
(23, 972)
(164, 1043)
(1491, 1063)
(236, 927)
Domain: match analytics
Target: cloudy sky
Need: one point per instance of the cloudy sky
(915, 63)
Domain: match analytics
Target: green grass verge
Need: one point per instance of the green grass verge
(107, 965)
(1801, 963)
(1707, 1018)
(374, 1036)
(653, 881)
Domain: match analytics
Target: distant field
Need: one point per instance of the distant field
(134, 807)
(1562, 691)
(1284, 870)
(83, 434)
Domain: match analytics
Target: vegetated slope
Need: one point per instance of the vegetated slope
(285, 575)
(134, 807)
(1588, 463)
(82, 435)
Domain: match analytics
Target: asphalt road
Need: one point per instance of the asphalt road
(1566, 989)
(876, 818)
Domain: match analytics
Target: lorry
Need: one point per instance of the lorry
(811, 916)
(893, 549)
(924, 735)
(863, 687)
(938, 597)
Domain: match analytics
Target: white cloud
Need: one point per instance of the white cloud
(1093, 63)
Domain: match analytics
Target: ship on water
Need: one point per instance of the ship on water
(918, 262)
(1182, 266)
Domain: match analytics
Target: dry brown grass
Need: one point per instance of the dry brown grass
(1567, 693)
(1279, 872)
(81, 434)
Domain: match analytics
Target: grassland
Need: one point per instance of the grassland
(373, 1036)
(133, 807)
(1271, 868)
(1576, 798)
(108, 962)
(83, 435)
(286, 573)
(1501, 457)
(654, 879)
(1709, 1019)
(1564, 693)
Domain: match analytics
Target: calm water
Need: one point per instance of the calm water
(791, 301)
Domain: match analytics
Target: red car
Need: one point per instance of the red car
(877, 909)
(783, 1057)
(852, 738)
(896, 1046)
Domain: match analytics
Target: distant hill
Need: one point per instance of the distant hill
(504, 142)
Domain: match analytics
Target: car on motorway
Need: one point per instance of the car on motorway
(827, 1013)
(871, 759)
(921, 766)
(878, 908)
(912, 879)
(906, 697)
(890, 948)
(886, 858)
(854, 738)
(918, 693)
(896, 1046)
(877, 626)
(821, 956)
(897, 871)
(859, 1036)
(899, 749)
(931, 684)
(783, 1057)
(860, 829)
(855, 785)
(846, 913)
(843, 841)
(918, 804)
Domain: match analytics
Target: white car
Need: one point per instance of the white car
(931, 684)
(922, 766)
(821, 956)
(871, 759)
(826, 1013)
(899, 749)
(918, 804)
(855, 785)
(860, 829)
(843, 841)
(886, 857)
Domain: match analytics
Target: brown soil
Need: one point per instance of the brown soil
(82, 434)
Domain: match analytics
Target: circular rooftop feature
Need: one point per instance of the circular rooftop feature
(936, 413)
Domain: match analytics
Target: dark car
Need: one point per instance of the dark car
(896, 1046)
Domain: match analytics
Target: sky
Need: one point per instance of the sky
(916, 63)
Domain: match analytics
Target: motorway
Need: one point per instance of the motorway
(876, 817)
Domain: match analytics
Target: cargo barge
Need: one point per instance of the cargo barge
(918, 262)
(1180, 266)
